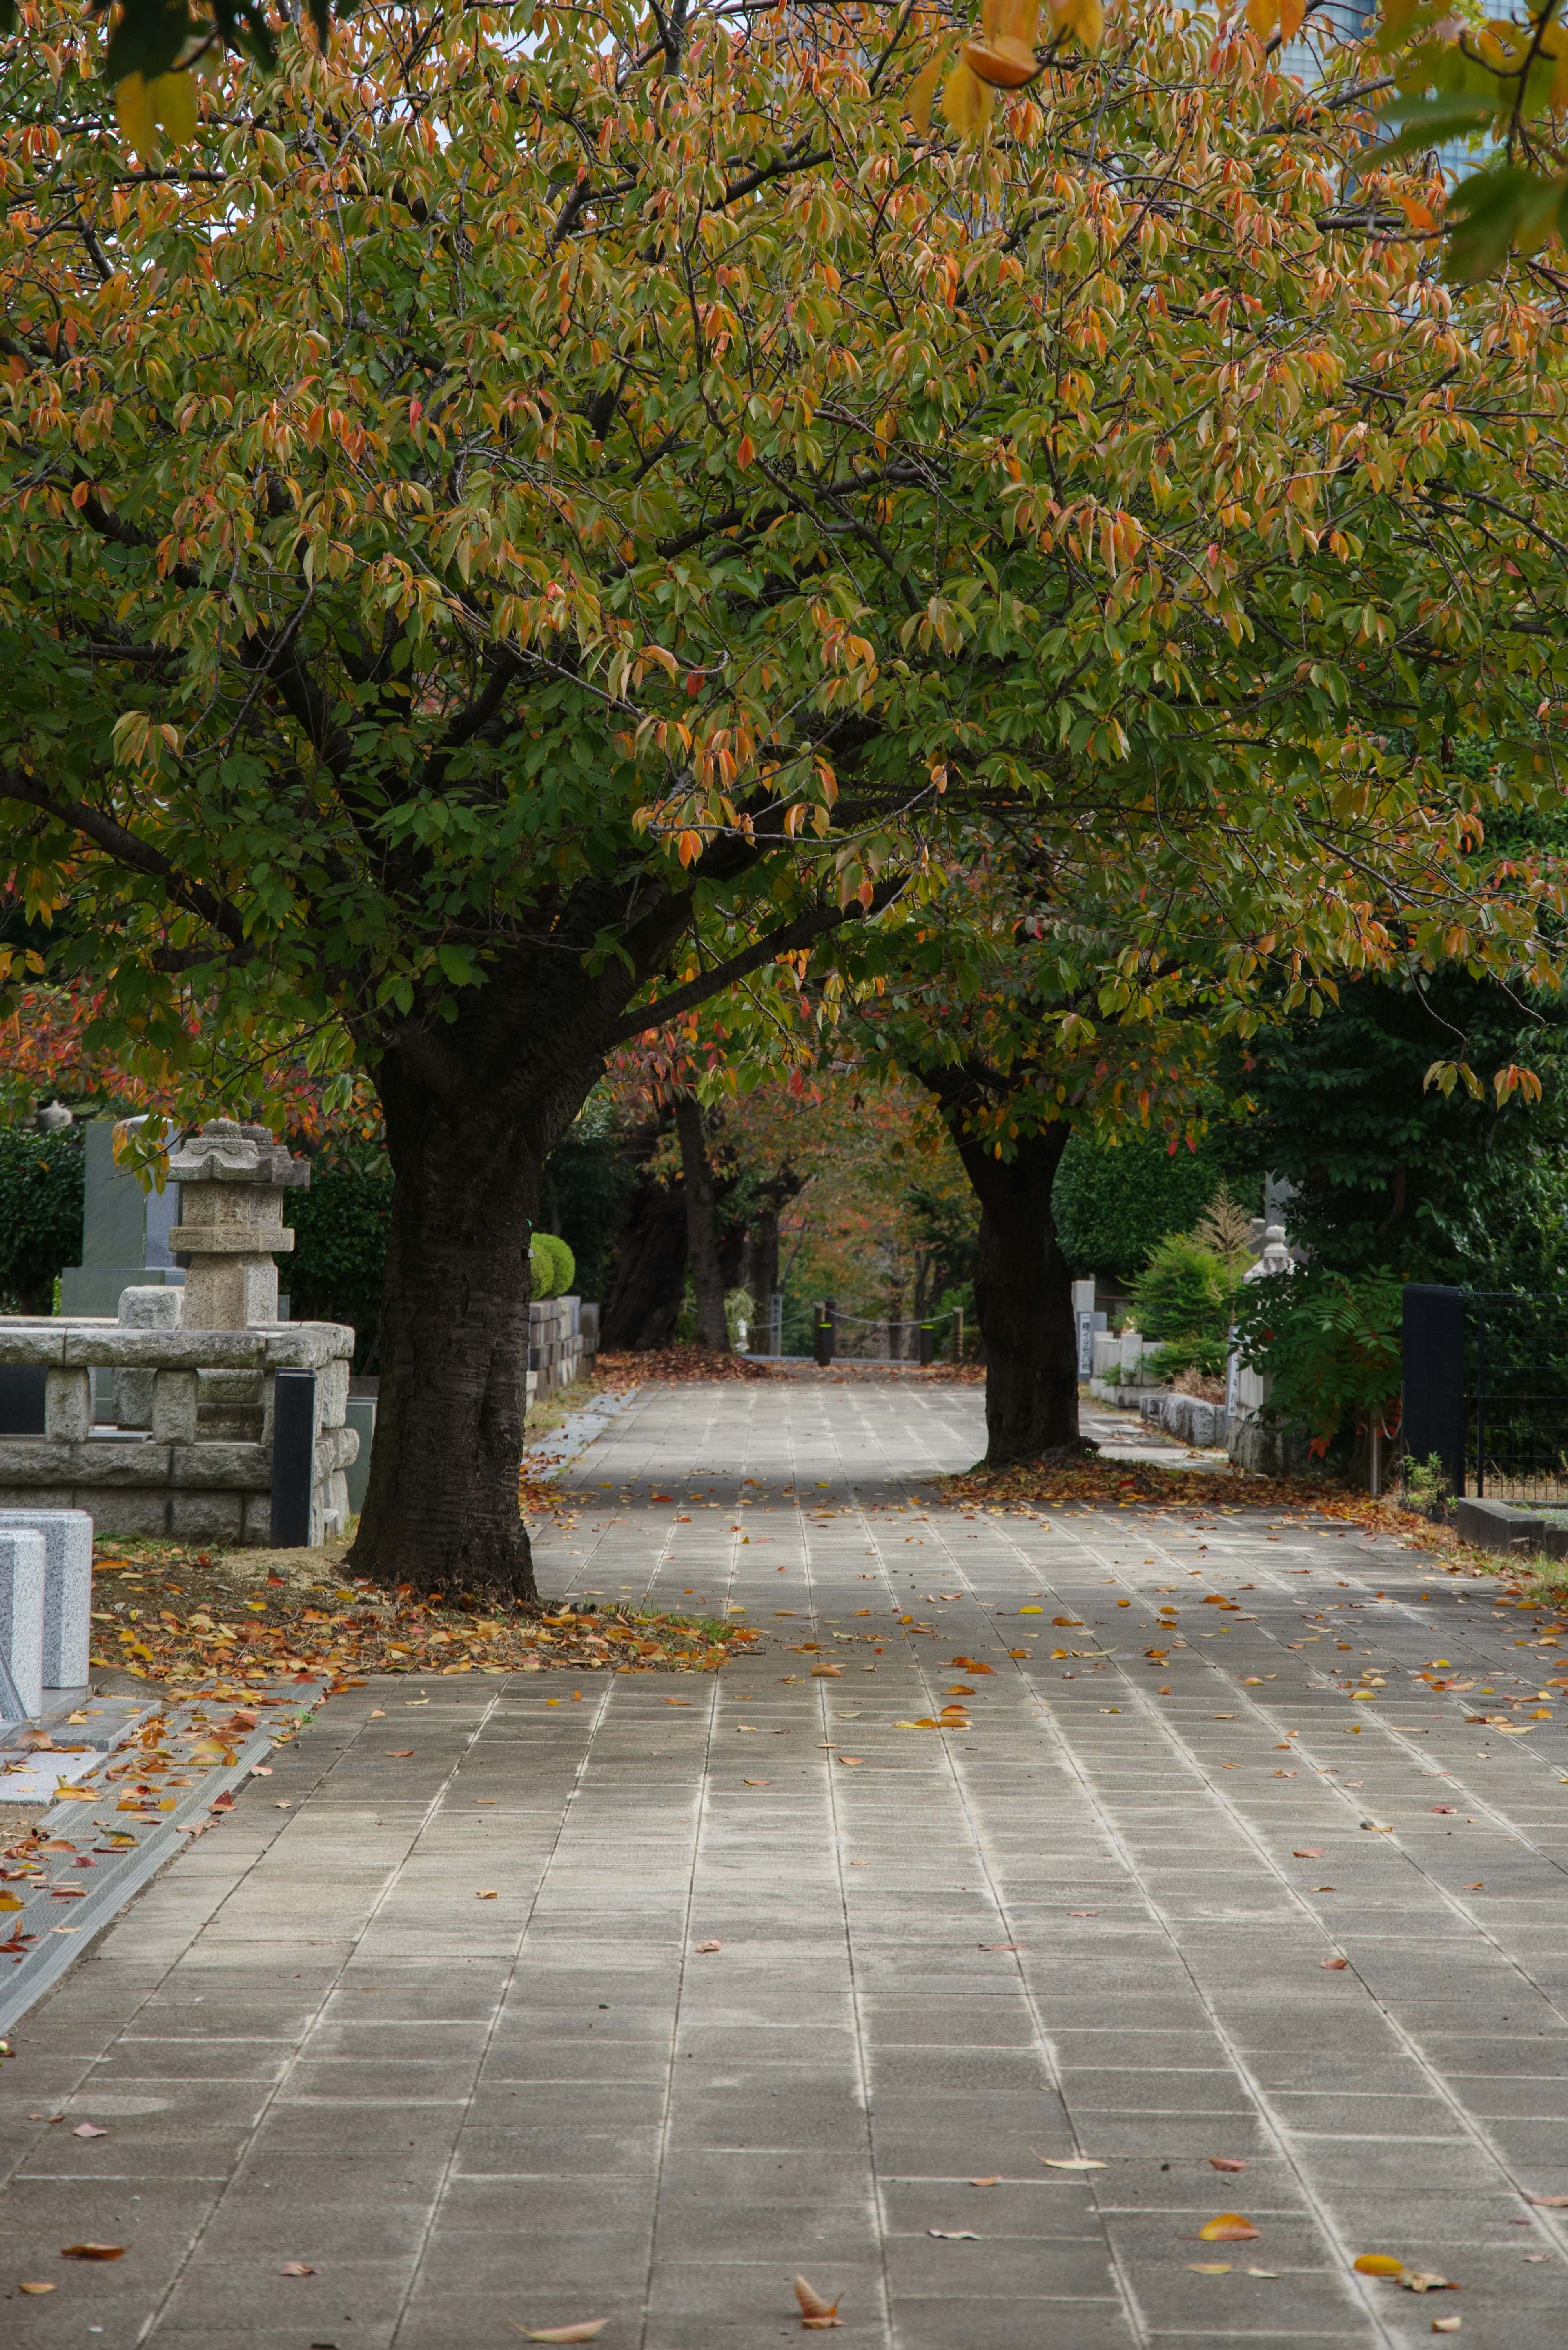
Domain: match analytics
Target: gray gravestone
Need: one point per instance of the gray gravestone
(22, 1615)
(68, 1590)
(125, 1231)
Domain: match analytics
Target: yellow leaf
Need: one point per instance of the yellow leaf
(1377, 2264)
(1293, 14)
(1262, 16)
(1559, 99)
(966, 101)
(1229, 2227)
(1415, 213)
(1085, 18)
(173, 96)
(138, 117)
(923, 90)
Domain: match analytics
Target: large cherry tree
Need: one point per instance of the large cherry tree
(513, 525)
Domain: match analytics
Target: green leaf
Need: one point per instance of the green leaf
(1496, 212)
(1430, 122)
(148, 38)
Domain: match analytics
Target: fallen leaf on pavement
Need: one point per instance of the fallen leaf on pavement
(1548, 2202)
(1336, 1963)
(89, 2129)
(585, 2332)
(488, 1894)
(954, 2235)
(852, 1760)
(1308, 1852)
(1446, 2325)
(1273, 2274)
(1210, 2268)
(677, 1701)
(1419, 2281)
(709, 1946)
(987, 2182)
(826, 1673)
(297, 2268)
(92, 2251)
(1225, 2162)
(815, 2311)
(1229, 2227)
(1377, 2264)
(768, 1783)
(400, 1753)
(999, 1946)
(34, 2288)
(1071, 2162)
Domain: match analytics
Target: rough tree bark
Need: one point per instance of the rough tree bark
(1024, 1281)
(702, 1233)
(1024, 1298)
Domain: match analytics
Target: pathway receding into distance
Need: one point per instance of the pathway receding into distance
(433, 2015)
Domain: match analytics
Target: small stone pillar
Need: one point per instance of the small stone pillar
(232, 1181)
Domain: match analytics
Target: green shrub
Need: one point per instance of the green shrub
(1182, 1292)
(340, 1262)
(552, 1268)
(1332, 1347)
(41, 1179)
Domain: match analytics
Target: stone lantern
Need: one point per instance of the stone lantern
(232, 1181)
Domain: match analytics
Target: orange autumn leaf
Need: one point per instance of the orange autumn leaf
(1229, 2227)
(815, 2312)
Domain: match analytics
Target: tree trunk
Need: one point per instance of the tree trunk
(701, 1235)
(1023, 1297)
(649, 1281)
(760, 1265)
(442, 1511)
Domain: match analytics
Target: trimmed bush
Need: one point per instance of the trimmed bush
(41, 1182)
(552, 1268)
(1113, 1203)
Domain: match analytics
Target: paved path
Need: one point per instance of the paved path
(1080, 1927)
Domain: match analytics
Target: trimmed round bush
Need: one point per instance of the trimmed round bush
(552, 1268)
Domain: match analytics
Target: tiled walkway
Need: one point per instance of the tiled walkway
(1093, 1925)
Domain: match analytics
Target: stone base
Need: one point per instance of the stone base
(1509, 1529)
(1269, 1448)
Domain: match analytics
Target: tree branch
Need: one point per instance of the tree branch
(124, 846)
(801, 932)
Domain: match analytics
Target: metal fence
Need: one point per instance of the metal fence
(839, 1336)
(1486, 1390)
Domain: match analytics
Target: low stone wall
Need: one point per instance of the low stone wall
(557, 1350)
(1510, 1528)
(191, 1454)
(1186, 1418)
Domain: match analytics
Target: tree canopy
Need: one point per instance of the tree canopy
(506, 533)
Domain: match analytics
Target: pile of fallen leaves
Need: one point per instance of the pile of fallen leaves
(1096, 1482)
(169, 1614)
(682, 1364)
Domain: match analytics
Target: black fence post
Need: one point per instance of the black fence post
(293, 1458)
(1432, 1417)
(928, 1342)
(822, 1336)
